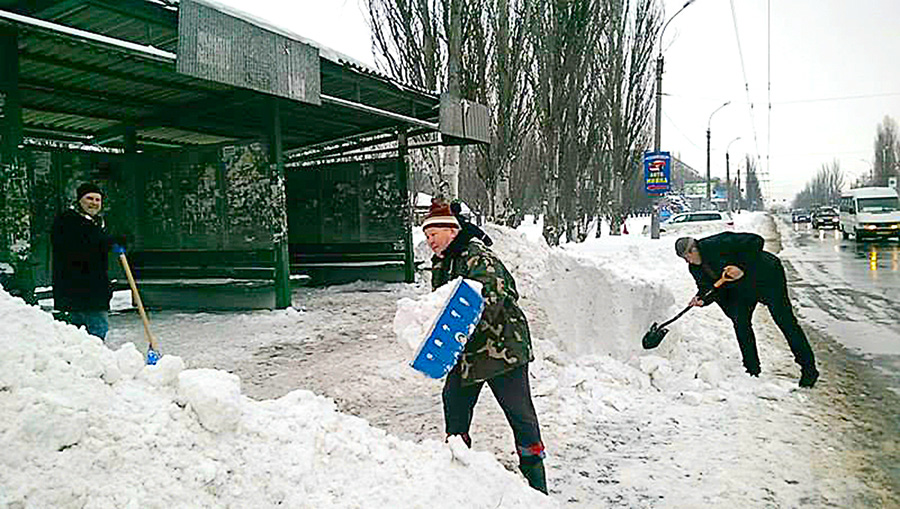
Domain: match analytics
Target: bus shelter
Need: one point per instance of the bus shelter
(234, 154)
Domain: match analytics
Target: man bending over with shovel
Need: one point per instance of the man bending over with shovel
(755, 276)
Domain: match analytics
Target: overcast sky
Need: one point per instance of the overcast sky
(835, 74)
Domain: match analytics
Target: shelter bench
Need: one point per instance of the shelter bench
(206, 279)
(338, 263)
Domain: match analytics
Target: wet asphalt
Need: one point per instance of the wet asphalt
(856, 284)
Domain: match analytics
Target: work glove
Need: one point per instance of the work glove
(119, 243)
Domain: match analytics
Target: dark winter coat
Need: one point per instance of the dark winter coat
(501, 341)
(81, 248)
(762, 270)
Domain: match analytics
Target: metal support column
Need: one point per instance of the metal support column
(15, 181)
(280, 232)
(728, 181)
(402, 160)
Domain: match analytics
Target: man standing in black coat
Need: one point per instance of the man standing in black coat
(81, 248)
(758, 276)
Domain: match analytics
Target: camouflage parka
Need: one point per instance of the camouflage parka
(501, 341)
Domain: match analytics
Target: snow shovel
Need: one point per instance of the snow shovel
(153, 354)
(657, 332)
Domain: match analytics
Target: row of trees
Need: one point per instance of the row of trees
(569, 86)
(825, 188)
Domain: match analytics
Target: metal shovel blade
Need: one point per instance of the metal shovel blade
(654, 336)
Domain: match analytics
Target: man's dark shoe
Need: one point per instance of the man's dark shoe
(808, 377)
(533, 470)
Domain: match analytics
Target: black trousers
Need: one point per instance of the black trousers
(771, 290)
(513, 392)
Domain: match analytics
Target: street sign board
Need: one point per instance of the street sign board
(217, 46)
(657, 172)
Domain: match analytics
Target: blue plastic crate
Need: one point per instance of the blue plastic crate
(441, 349)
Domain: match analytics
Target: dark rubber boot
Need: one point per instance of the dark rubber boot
(808, 377)
(534, 473)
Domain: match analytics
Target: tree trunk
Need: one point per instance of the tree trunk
(501, 198)
(551, 206)
(450, 173)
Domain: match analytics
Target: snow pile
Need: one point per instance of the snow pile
(85, 426)
(599, 297)
(416, 317)
(594, 305)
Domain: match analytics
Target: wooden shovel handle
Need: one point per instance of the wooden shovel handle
(137, 299)
(722, 280)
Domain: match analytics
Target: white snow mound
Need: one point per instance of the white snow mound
(82, 426)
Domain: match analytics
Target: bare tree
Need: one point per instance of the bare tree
(626, 81)
(753, 199)
(887, 150)
(501, 54)
(406, 40)
(823, 189)
(565, 38)
(419, 42)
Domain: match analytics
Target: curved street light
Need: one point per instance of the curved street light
(654, 217)
(708, 123)
(728, 173)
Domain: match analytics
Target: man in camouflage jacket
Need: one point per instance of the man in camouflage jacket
(499, 350)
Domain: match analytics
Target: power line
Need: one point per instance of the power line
(790, 101)
(769, 84)
(746, 82)
(688, 138)
(841, 98)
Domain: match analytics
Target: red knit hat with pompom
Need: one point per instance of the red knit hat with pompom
(440, 215)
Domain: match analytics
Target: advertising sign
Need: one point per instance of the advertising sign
(657, 172)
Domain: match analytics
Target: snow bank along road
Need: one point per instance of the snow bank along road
(677, 427)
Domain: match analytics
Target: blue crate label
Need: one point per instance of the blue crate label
(415, 318)
(439, 325)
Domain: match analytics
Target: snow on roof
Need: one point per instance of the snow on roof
(871, 192)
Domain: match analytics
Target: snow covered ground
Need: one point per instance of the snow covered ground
(316, 406)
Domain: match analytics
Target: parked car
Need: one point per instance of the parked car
(696, 218)
(800, 216)
(825, 217)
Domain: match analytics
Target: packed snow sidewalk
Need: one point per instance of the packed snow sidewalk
(84, 426)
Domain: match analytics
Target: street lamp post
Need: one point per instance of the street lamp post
(654, 218)
(728, 171)
(708, 124)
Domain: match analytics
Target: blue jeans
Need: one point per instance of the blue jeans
(96, 322)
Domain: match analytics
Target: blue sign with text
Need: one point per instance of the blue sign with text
(657, 172)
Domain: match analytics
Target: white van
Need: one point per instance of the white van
(870, 212)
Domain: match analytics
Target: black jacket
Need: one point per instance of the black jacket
(81, 248)
(744, 250)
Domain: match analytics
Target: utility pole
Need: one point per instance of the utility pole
(728, 173)
(654, 217)
(727, 182)
(708, 125)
